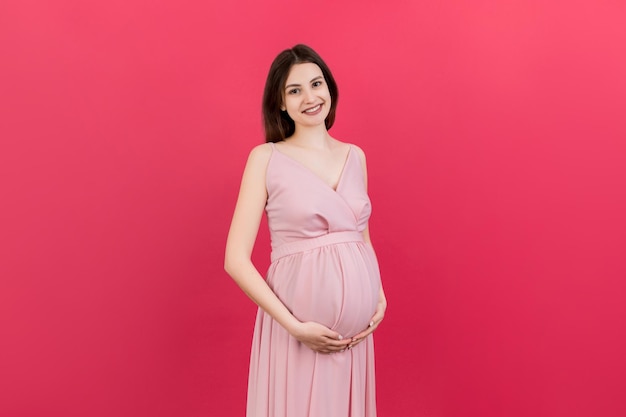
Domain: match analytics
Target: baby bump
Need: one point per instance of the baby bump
(336, 285)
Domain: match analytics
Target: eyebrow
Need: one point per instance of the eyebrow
(298, 85)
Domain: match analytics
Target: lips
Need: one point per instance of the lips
(313, 110)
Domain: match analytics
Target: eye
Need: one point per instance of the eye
(317, 83)
(293, 91)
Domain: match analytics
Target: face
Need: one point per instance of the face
(306, 97)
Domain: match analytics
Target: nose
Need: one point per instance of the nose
(309, 97)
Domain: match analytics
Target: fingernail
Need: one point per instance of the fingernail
(371, 323)
(340, 337)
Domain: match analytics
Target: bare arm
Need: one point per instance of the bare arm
(238, 264)
(379, 314)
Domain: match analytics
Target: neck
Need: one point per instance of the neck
(311, 137)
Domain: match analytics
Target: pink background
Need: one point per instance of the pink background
(495, 134)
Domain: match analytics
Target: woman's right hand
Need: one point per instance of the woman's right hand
(320, 338)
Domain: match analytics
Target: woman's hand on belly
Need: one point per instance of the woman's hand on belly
(376, 319)
(320, 338)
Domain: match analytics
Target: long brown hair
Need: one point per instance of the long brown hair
(278, 125)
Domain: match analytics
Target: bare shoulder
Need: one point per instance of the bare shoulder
(261, 152)
(361, 155)
(360, 152)
(259, 156)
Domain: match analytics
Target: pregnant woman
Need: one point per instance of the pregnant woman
(312, 350)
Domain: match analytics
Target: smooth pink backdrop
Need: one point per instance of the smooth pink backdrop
(495, 135)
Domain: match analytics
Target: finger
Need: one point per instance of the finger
(364, 333)
(378, 316)
(333, 335)
(329, 333)
(336, 344)
(335, 349)
(335, 339)
(356, 341)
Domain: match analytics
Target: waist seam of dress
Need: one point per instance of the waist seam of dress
(315, 242)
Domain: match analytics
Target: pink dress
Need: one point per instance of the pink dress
(323, 271)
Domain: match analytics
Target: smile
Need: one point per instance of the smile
(313, 110)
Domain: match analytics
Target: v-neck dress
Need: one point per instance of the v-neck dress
(323, 271)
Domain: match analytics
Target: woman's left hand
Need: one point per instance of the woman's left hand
(376, 319)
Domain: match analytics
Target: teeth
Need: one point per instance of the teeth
(314, 109)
